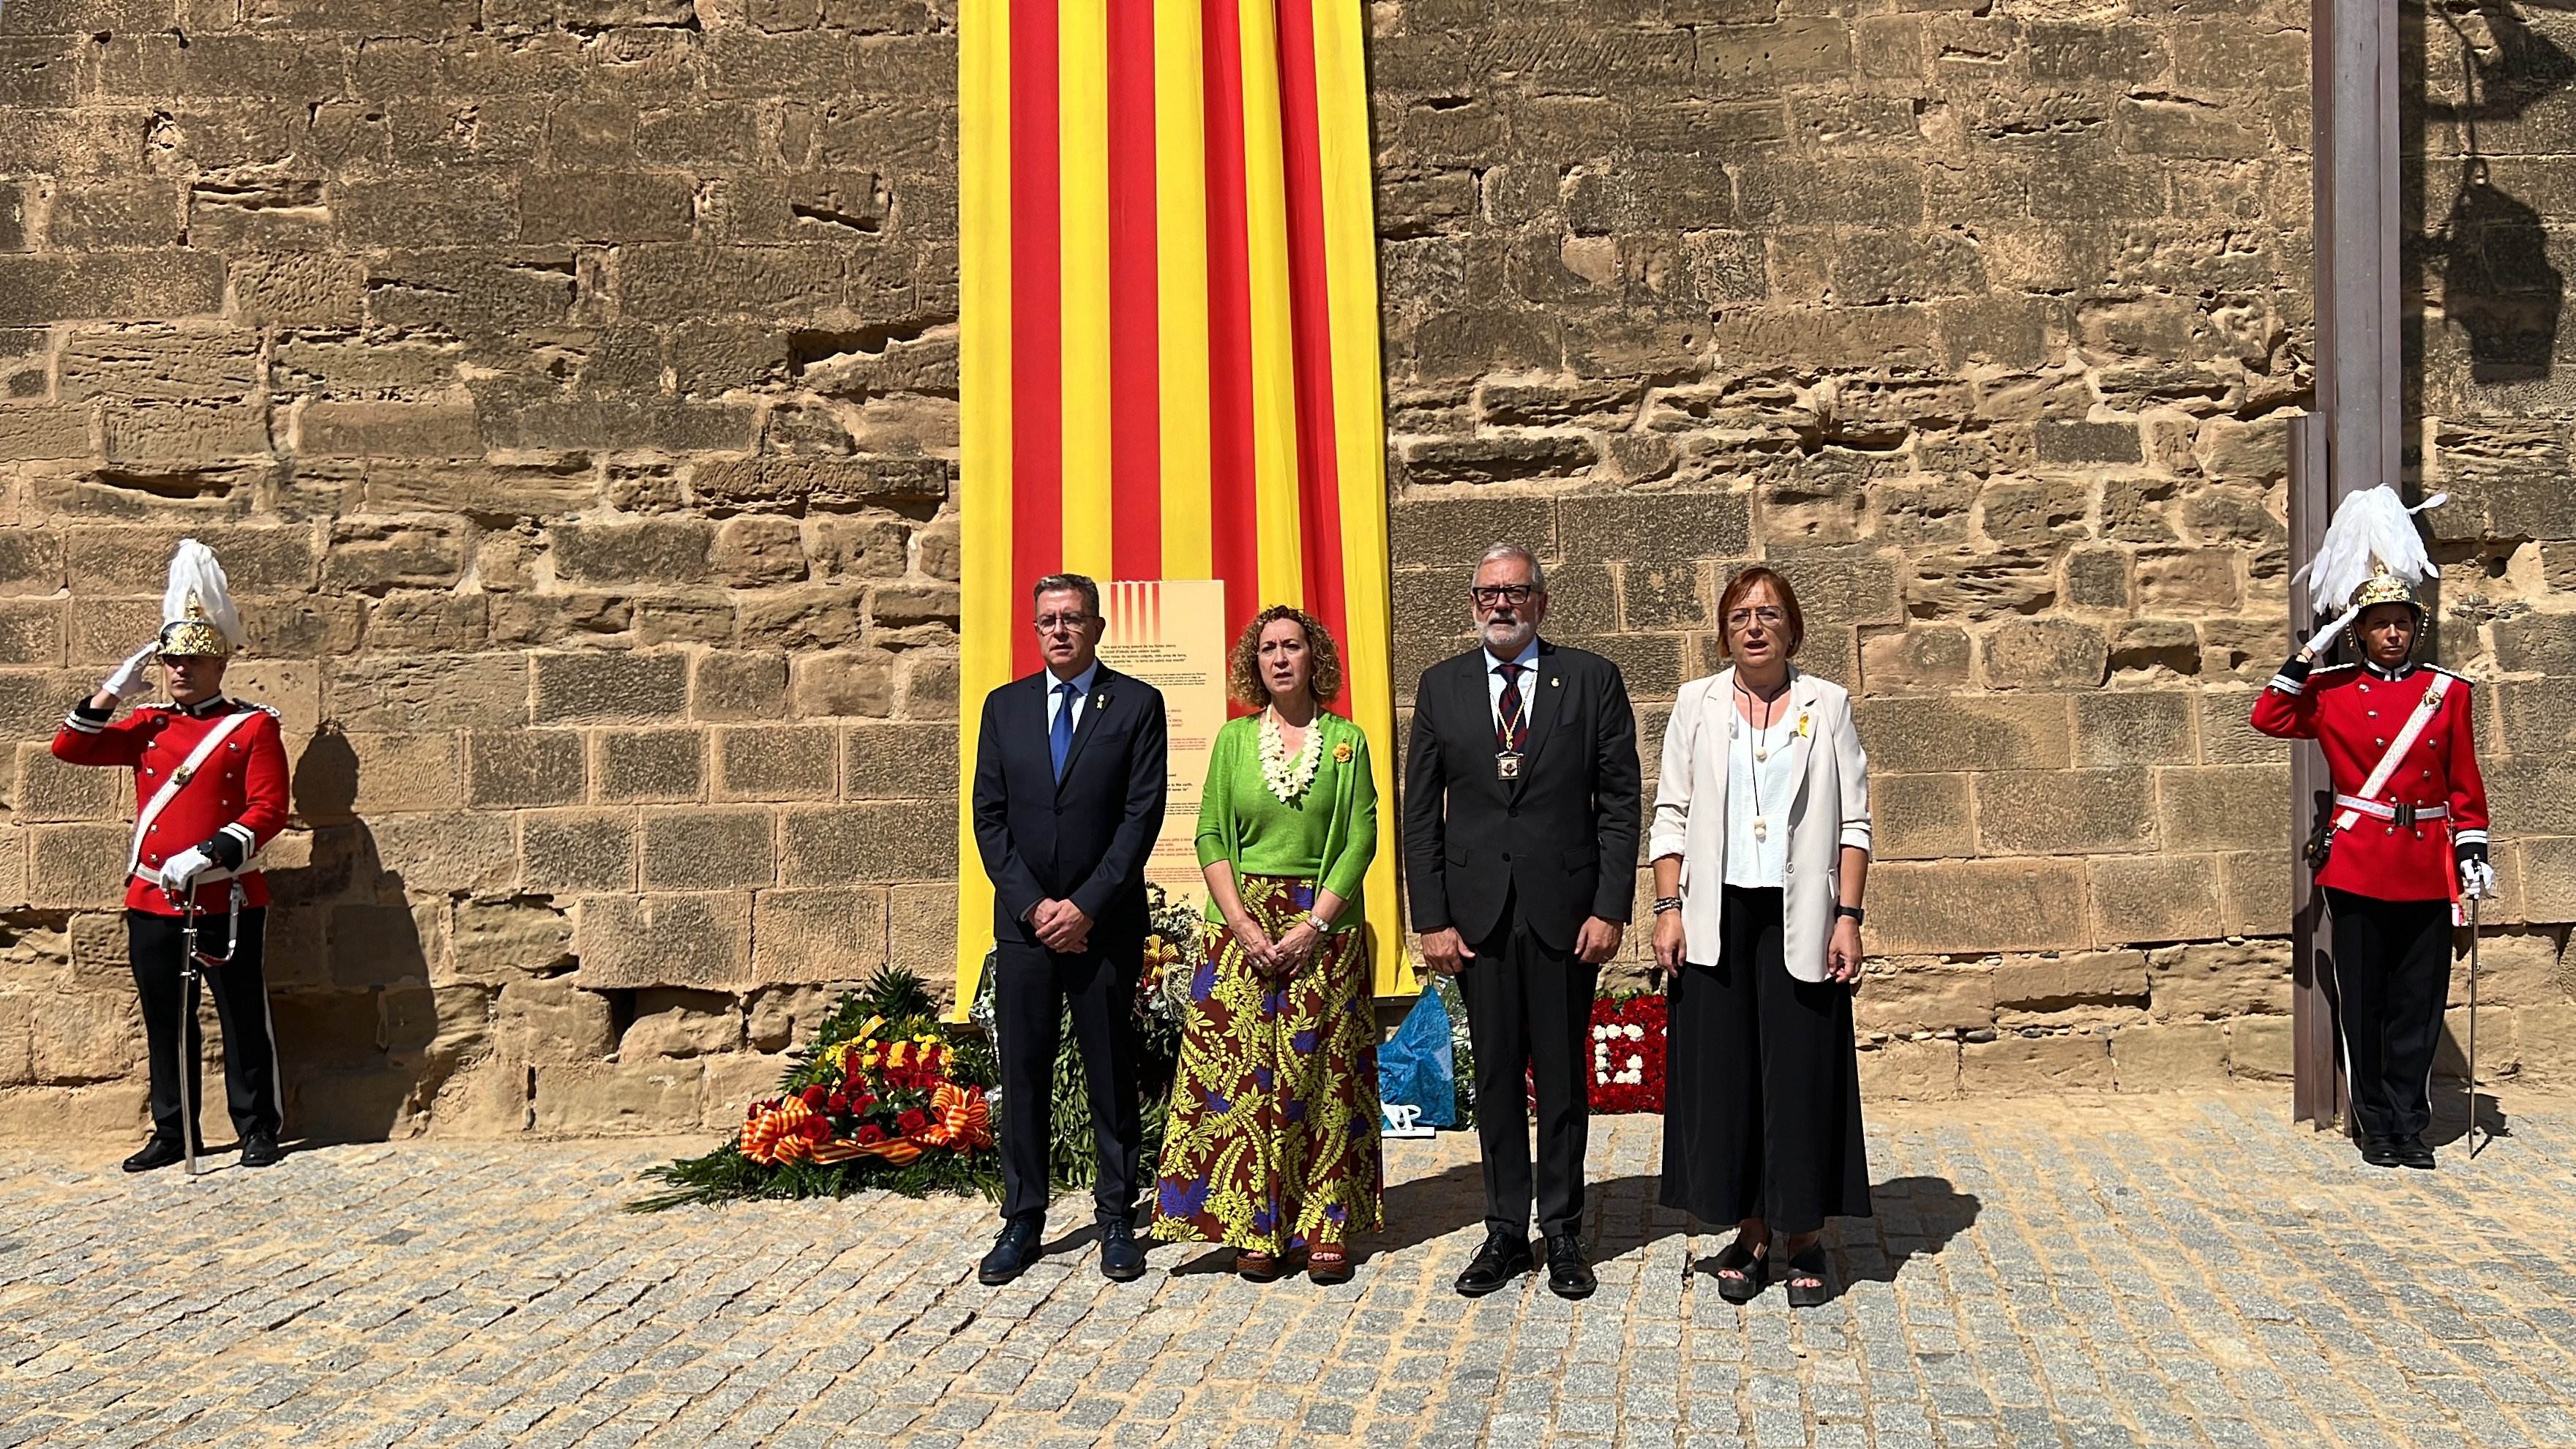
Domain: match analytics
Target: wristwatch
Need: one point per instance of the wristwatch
(1322, 926)
(1852, 911)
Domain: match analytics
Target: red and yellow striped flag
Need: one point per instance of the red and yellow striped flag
(1170, 349)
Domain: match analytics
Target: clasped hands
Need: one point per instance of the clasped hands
(1283, 957)
(1060, 926)
(1446, 953)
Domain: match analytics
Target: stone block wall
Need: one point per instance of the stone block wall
(570, 387)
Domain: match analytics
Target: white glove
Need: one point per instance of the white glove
(2325, 637)
(2477, 879)
(129, 677)
(184, 867)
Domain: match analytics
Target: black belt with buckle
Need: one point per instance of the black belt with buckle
(2405, 816)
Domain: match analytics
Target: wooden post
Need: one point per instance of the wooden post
(2354, 438)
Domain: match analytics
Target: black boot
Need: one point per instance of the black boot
(2379, 1151)
(2410, 1151)
(260, 1149)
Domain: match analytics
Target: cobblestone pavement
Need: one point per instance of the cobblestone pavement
(2087, 1273)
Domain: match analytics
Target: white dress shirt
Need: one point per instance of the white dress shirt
(1527, 659)
(1752, 861)
(1080, 701)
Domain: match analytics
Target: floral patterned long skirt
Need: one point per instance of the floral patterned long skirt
(1272, 1141)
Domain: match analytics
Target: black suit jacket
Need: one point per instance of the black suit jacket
(1085, 839)
(1563, 837)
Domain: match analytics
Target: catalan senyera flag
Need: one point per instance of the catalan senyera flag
(1170, 341)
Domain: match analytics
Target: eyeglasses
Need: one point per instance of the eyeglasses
(1049, 623)
(1770, 618)
(1490, 595)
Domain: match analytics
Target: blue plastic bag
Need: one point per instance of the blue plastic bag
(1417, 1067)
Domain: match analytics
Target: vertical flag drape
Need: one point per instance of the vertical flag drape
(1170, 340)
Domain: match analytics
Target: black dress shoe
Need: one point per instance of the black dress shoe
(1012, 1253)
(1121, 1260)
(2379, 1151)
(2411, 1152)
(1568, 1275)
(1503, 1258)
(159, 1151)
(259, 1149)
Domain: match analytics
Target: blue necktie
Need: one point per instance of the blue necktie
(1060, 734)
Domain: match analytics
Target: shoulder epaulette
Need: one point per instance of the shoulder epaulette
(2455, 674)
(2331, 669)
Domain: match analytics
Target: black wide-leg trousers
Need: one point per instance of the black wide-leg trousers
(2392, 972)
(1031, 991)
(1761, 1084)
(154, 949)
(1529, 1015)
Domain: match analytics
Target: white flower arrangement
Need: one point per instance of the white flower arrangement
(1289, 778)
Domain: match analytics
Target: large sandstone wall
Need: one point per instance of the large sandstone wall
(571, 388)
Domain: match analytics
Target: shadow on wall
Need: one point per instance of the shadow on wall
(348, 972)
(2498, 285)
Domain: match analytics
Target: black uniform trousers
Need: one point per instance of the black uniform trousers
(153, 947)
(1032, 989)
(2392, 973)
(1761, 1084)
(1529, 1013)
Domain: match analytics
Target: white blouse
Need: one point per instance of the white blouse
(1759, 768)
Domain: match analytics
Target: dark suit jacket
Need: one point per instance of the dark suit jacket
(1563, 837)
(1084, 840)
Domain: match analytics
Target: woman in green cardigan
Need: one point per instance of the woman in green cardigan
(1272, 1141)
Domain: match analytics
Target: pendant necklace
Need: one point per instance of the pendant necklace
(1760, 744)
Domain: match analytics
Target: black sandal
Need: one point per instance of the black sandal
(1749, 1267)
(1808, 1262)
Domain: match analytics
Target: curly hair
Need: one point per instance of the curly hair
(1243, 664)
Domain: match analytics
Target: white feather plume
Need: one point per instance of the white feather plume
(193, 570)
(2373, 529)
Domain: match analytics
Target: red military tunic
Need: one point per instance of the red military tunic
(2352, 711)
(238, 792)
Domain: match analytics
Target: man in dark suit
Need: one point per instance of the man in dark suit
(1069, 779)
(1521, 793)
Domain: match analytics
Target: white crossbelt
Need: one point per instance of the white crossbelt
(178, 781)
(2358, 804)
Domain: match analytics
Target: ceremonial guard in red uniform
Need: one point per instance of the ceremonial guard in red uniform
(210, 788)
(2408, 835)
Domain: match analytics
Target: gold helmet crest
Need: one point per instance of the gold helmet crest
(197, 614)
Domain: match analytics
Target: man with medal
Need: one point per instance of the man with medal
(1520, 836)
(210, 786)
(2406, 840)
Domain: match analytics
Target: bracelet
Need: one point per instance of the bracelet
(1667, 903)
(1318, 922)
(1852, 911)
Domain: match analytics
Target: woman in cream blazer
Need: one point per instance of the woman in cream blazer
(1761, 850)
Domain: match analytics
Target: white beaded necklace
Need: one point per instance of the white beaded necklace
(1289, 777)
